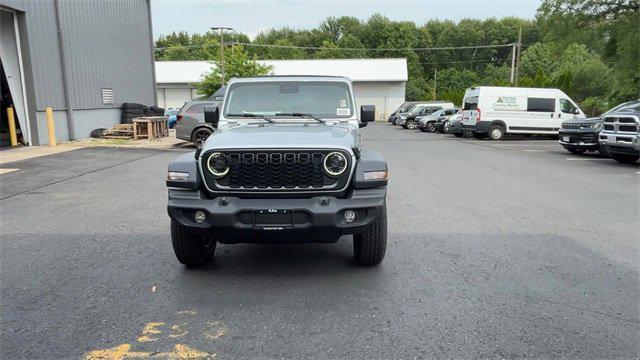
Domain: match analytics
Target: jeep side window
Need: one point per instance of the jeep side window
(567, 107)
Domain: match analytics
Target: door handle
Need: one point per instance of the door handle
(551, 115)
(559, 115)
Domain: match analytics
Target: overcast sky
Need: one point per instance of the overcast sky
(250, 17)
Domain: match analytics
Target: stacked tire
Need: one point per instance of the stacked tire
(153, 111)
(131, 111)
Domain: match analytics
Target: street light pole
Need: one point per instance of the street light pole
(222, 29)
(518, 56)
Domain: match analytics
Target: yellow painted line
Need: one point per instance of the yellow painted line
(30, 152)
(150, 329)
(123, 351)
(6, 171)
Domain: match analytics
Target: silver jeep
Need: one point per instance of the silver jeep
(285, 165)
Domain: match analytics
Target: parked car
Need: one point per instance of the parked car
(454, 126)
(258, 181)
(582, 135)
(408, 120)
(406, 106)
(435, 121)
(171, 116)
(497, 111)
(620, 135)
(190, 124)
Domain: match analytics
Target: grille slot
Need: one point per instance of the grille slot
(277, 171)
(627, 124)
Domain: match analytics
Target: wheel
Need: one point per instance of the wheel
(478, 136)
(458, 134)
(496, 132)
(576, 151)
(625, 158)
(431, 126)
(411, 124)
(192, 250)
(467, 133)
(200, 135)
(370, 246)
(97, 133)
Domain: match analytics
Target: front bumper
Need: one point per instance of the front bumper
(619, 143)
(579, 139)
(315, 219)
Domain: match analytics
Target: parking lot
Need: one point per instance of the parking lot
(506, 249)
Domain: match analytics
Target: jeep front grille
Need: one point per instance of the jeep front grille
(276, 171)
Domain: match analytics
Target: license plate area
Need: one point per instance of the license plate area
(277, 218)
(565, 138)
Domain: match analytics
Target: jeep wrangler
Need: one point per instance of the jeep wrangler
(285, 165)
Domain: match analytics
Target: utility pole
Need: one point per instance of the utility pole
(222, 29)
(519, 51)
(513, 63)
(435, 81)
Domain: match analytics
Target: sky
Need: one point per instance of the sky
(252, 17)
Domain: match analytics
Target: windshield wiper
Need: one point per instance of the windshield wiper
(301, 115)
(252, 115)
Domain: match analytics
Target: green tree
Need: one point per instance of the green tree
(237, 64)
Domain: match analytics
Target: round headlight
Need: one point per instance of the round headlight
(335, 164)
(218, 165)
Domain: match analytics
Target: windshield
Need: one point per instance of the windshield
(328, 99)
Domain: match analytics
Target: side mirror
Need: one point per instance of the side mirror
(362, 124)
(212, 116)
(367, 113)
(576, 111)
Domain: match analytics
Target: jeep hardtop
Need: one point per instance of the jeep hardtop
(285, 164)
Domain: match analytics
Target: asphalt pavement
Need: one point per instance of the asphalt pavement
(511, 249)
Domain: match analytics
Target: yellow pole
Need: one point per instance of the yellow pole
(51, 127)
(12, 127)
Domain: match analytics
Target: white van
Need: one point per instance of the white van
(496, 111)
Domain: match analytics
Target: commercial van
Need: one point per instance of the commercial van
(496, 111)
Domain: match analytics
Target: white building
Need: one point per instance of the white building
(379, 82)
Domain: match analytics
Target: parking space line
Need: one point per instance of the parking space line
(587, 159)
(534, 150)
(6, 171)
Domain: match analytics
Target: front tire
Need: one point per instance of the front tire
(625, 158)
(431, 127)
(411, 124)
(192, 250)
(370, 246)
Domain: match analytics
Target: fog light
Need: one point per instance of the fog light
(349, 216)
(199, 216)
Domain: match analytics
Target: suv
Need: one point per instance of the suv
(435, 121)
(190, 124)
(620, 134)
(581, 135)
(409, 120)
(285, 165)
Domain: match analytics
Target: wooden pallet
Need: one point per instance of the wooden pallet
(120, 131)
(150, 127)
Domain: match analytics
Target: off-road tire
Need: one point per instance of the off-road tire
(192, 250)
(576, 151)
(496, 132)
(370, 246)
(198, 137)
(625, 158)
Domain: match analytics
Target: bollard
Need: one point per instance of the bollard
(51, 127)
(12, 127)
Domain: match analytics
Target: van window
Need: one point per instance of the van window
(567, 107)
(470, 103)
(541, 104)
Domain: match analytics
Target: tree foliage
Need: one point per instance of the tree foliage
(588, 48)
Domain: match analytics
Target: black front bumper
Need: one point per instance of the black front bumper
(314, 219)
(480, 127)
(585, 140)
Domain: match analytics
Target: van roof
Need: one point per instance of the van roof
(508, 88)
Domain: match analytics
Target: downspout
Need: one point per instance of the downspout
(65, 75)
(153, 56)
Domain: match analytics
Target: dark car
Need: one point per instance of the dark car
(581, 135)
(435, 121)
(406, 106)
(297, 174)
(454, 126)
(620, 135)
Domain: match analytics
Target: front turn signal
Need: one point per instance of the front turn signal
(177, 176)
(376, 175)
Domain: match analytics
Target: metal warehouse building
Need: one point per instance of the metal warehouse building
(81, 58)
(379, 82)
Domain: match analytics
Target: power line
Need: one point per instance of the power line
(461, 61)
(339, 48)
